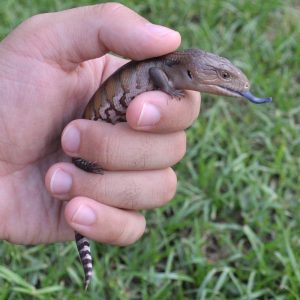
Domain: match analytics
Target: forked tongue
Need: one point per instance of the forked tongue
(254, 99)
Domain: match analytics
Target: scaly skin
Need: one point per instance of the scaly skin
(191, 69)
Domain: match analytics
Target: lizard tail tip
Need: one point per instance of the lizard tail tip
(86, 283)
(87, 277)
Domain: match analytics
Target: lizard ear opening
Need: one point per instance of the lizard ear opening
(189, 74)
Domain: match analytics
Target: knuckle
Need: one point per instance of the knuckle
(195, 99)
(38, 26)
(113, 6)
(143, 153)
(115, 236)
(170, 185)
(33, 21)
(97, 143)
(135, 232)
(127, 232)
(4, 232)
(108, 9)
(130, 194)
(126, 196)
(109, 150)
(96, 187)
(122, 13)
(179, 146)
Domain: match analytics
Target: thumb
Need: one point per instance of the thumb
(73, 36)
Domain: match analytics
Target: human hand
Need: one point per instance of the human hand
(48, 71)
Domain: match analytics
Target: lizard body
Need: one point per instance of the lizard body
(191, 69)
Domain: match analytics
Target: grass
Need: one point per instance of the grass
(233, 230)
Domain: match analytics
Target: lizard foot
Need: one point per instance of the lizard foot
(87, 166)
(177, 94)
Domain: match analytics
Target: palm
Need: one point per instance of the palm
(47, 98)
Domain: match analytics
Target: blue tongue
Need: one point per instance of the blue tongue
(254, 99)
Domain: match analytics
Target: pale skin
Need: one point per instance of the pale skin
(50, 66)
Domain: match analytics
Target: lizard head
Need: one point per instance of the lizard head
(210, 73)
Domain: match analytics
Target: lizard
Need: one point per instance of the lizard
(191, 69)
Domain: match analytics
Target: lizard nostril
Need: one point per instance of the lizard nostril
(247, 85)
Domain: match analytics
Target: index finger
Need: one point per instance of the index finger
(89, 32)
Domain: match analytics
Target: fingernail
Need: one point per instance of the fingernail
(61, 182)
(71, 139)
(159, 30)
(84, 215)
(149, 116)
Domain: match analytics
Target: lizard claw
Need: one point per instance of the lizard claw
(178, 94)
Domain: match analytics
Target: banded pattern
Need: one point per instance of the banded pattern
(84, 250)
(110, 102)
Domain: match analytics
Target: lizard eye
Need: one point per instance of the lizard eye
(225, 75)
(189, 74)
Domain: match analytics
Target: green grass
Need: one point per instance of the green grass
(233, 229)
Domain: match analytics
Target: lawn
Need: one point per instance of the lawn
(233, 229)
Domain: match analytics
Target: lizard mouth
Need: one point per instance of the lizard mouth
(247, 95)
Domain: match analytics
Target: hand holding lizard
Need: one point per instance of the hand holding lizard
(49, 69)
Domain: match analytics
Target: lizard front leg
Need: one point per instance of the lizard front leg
(161, 81)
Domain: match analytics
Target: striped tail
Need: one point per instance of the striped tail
(84, 250)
